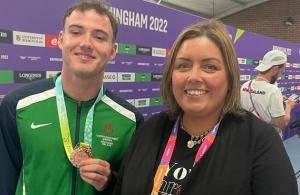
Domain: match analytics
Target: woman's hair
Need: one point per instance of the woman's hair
(216, 32)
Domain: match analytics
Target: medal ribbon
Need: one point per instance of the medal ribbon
(169, 149)
(63, 118)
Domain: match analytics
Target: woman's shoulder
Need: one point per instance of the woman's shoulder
(249, 124)
(157, 122)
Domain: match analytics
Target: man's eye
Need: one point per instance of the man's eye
(75, 32)
(100, 37)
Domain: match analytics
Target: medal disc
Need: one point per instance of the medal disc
(79, 154)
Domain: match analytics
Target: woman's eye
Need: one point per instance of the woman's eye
(210, 67)
(182, 66)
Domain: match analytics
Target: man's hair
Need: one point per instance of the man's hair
(99, 6)
(216, 32)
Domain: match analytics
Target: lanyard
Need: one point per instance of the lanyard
(63, 118)
(169, 149)
(253, 109)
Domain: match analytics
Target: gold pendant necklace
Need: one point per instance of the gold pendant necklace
(194, 139)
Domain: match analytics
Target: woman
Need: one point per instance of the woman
(205, 143)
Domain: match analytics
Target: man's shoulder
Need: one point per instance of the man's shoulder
(115, 100)
(26, 90)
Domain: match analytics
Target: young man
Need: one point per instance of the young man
(68, 135)
(264, 99)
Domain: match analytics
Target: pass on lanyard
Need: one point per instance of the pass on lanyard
(63, 118)
(169, 149)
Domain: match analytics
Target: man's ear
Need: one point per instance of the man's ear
(60, 39)
(114, 51)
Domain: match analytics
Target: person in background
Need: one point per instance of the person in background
(205, 143)
(264, 99)
(68, 134)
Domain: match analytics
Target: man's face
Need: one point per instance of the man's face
(86, 43)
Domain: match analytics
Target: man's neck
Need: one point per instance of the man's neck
(82, 89)
(261, 77)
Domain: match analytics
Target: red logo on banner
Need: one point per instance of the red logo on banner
(52, 41)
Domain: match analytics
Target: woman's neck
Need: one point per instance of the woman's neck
(197, 125)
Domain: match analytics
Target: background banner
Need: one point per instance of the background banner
(28, 49)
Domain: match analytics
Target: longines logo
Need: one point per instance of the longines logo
(5, 36)
(28, 76)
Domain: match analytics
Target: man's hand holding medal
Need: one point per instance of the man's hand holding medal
(93, 171)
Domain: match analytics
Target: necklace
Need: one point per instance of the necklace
(194, 139)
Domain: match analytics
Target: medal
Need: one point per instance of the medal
(81, 152)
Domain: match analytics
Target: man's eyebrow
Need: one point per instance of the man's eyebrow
(75, 26)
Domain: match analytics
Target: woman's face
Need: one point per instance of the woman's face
(199, 78)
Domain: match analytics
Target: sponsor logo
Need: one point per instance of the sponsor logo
(125, 90)
(159, 52)
(28, 76)
(126, 48)
(127, 63)
(30, 58)
(52, 41)
(142, 102)
(287, 51)
(155, 89)
(158, 64)
(155, 101)
(140, 50)
(5, 36)
(34, 126)
(4, 57)
(143, 64)
(245, 77)
(29, 39)
(126, 77)
(51, 74)
(142, 90)
(55, 59)
(143, 77)
(156, 76)
(242, 60)
(6, 76)
(110, 77)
